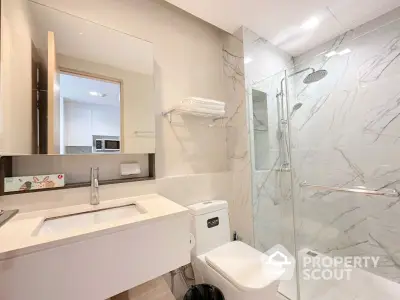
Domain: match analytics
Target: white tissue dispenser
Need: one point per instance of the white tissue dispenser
(130, 169)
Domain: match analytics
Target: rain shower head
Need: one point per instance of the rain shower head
(315, 76)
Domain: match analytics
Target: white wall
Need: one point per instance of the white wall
(138, 101)
(82, 121)
(188, 62)
(106, 120)
(16, 79)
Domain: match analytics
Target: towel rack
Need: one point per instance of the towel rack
(184, 111)
(358, 190)
(144, 132)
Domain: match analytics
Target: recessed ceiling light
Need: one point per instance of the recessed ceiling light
(345, 51)
(80, 33)
(247, 59)
(97, 94)
(334, 53)
(311, 23)
(331, 53)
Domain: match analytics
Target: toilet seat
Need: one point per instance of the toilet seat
(243, 266)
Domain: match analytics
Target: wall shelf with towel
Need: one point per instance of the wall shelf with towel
(184, 111)
(198, 107)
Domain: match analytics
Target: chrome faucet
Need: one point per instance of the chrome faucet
(94, 186)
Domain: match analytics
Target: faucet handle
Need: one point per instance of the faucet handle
(94, 182)
(95, 172)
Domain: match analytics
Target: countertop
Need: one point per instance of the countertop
(18, 236)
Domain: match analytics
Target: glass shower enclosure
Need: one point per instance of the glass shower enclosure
(273, 209)
(325, 139)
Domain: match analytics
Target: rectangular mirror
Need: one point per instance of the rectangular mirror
(94, 87)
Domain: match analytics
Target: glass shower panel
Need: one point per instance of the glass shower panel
(271, 182)
(345, 134)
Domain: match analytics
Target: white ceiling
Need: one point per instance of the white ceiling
(279, 21)
(85, 40)
(77, 89)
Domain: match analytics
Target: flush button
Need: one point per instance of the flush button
(207, 202)
(213, 222)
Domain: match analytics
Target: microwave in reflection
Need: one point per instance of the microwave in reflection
(107, 145)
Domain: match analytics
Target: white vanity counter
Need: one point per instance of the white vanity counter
(20, 235)
(74, 260)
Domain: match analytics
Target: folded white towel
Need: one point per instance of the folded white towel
(202, 106)
(204, 101)
(215, 112)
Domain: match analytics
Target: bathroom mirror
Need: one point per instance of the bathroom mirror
(94, 86)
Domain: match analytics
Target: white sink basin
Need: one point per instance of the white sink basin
(87, 219)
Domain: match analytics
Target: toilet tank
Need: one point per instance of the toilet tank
(209, 225)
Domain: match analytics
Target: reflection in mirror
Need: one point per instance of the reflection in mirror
(95, 87)
(89, 114)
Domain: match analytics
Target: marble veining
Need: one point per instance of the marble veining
(271, 189)
(346, 134)
(240, 208)
(374, 67)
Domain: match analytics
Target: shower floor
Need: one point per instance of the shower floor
(362, 286)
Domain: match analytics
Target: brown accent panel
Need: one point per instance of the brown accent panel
(5, 171)
(35, 91)
(121, 296)
(42, 107)
(85, 184)
(152, 165)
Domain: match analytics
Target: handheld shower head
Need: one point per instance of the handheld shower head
(315, 76)
(295, 108)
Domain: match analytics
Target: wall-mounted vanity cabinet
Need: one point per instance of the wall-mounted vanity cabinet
(70, 86)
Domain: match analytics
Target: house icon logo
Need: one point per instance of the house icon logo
(278, 258)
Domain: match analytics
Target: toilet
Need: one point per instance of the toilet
(237, 269)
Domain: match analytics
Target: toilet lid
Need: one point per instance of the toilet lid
(243, 266)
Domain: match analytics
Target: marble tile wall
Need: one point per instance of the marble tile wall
(261, 128)
(347, 134)
(238, 148)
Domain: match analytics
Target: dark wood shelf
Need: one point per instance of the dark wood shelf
(6, 171)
